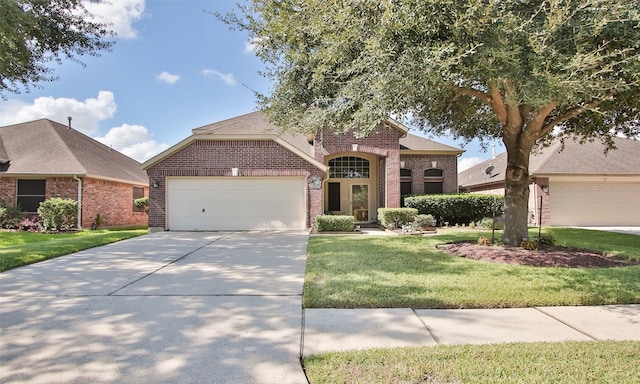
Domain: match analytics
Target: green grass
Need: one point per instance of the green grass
(22, 248)
(567, 362)
(409, 272)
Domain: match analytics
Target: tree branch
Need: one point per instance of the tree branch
(573, 112)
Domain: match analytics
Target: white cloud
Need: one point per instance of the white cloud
(119, 15)
(249, 46)
(134, 141)
(86, 114)
(168, 78)
(468, 162)
(228, 78)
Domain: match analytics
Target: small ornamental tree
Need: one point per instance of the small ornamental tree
(58, 214)
(523, 71)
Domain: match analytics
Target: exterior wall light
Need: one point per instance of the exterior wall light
(154, 184)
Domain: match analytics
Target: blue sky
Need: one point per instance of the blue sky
(174, 67)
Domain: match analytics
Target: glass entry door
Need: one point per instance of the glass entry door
(360, 202)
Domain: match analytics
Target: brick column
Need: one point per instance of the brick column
(392, 179)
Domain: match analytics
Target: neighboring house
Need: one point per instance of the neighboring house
(579, 186)
(243, 173)
(43, 159)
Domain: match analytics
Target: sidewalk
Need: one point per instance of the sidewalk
(347, 329)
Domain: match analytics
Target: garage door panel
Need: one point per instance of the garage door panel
(235, 203)
(595, 203)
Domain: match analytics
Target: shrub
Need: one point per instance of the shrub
(30, 223)
(488, 221)
(483, 240)
(9, 216)
(58, 213)
(424, 221)
(396, 217)
(142, 204)
(334, 223)
(458, 208)
(546, 239)
(529, 245)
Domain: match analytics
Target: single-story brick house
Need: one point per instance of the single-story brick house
(244, 174)
(43, 159)
(579, 186)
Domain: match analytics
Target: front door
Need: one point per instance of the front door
(360, 202)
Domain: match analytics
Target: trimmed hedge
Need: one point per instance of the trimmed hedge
(396, 217)
(457, 209)
(334, 223)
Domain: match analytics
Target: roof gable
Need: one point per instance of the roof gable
(575, 159)
(417, 143)
(44, 147)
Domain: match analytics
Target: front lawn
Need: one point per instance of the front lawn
(409, 272)
(568, 362)
(22, 248)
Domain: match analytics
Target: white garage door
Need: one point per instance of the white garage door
(235, 203)
(595, 203)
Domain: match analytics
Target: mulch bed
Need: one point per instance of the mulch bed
(551, 256)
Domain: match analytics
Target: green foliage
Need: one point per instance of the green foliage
(10, 217)
(394, 218)
(424, 221)
(58, 214)
(546, 239)
(334, 223)
(512, 70)
(36, 32)
(488, 222)
(458, 208)
(142, 203)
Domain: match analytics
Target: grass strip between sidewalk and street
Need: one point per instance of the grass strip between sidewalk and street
(409, 272)
(566, 362)
(23, 248)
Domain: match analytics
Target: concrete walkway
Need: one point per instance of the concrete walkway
(161, 308)
(347, 329)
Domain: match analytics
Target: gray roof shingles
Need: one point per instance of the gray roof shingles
(44, 147)
(575, 159)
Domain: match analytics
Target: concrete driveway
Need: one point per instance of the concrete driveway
(168, 307)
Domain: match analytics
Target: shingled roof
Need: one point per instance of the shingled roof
(46, 148)
(255, 125)
(575, 159)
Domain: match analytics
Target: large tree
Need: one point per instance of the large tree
(33, 33)
(522, 71)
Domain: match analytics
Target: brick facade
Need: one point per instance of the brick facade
(384, 143)
(448, 164)
(112, 200)
(217, 157)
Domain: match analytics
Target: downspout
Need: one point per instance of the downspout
(79, 180)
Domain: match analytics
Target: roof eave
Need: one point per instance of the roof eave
(431, 152)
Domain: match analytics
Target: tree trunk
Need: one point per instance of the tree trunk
(516, 195)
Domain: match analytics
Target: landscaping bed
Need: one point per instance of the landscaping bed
(546, 256)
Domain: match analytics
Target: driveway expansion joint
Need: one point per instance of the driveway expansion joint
(168, 264)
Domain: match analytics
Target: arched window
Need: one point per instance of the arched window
(349, 167)
(433, 181)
